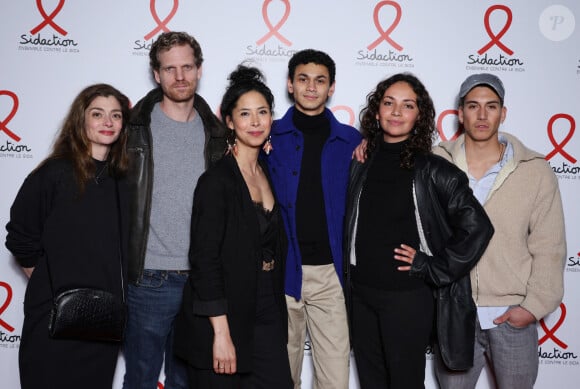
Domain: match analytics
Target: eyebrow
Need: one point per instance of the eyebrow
(312, 75)
(102, 109)
(404, 100)
(175, 65)
(485, 103)
(249, 109)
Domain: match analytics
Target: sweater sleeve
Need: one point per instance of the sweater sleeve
(547, 246)
(207, 231)
(27, 216)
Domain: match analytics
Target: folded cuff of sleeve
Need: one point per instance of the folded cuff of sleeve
(210, 307)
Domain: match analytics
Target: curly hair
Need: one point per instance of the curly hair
(73, 144)
(424, 131)
(167, 41)
(243, 80)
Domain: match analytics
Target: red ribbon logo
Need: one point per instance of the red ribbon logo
(273, 30)
(4, 123)
(559, 147)
(161, 24)
(442, 135)
(48, 19)
(384, 34)
(5, 305)
(550, 333)
(495, 39)
(347, 109)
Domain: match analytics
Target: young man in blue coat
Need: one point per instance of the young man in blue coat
(309, 165)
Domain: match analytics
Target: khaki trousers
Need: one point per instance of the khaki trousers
(322, 310)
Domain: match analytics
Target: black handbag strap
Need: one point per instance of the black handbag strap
(118, 203)
(120, 238)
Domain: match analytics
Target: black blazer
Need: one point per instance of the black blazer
(225, 257)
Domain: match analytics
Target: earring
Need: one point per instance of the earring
(268, 145)
(232, 149)
(378, 124)
(232, 146)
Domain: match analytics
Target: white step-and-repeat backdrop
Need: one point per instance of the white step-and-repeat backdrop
(51, 49)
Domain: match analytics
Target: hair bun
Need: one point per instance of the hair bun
(245, 74)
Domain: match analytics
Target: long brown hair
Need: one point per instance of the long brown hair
(73, 144)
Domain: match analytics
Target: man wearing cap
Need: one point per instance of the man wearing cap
(519, 279)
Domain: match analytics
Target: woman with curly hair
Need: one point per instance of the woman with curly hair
(412, 227)
(65, 232)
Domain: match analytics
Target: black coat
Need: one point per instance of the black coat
(52, 225)
(456, 230)
(225, 257)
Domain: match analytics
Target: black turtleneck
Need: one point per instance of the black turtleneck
(311, 226)
(386, 219)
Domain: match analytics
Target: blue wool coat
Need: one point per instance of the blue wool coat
(284, 164)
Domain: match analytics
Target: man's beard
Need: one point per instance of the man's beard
(179, 95)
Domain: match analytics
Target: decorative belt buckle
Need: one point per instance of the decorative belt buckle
(268, 266)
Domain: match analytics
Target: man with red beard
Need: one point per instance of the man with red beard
(173, 137)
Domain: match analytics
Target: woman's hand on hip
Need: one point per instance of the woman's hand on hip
(405, 254)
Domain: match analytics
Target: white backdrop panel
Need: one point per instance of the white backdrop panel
(51, 49)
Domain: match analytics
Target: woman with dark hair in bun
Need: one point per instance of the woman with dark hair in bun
(232, 328)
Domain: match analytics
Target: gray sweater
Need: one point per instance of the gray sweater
(178, 155)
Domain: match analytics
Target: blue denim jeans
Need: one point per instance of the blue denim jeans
(512, 353)
(153, 305)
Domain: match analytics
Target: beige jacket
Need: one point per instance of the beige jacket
(524, 262)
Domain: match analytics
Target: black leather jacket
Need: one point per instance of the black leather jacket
(140, 177)
(454, 231)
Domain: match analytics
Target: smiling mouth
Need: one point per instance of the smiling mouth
(109, 133)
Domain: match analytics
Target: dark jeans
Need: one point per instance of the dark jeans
(153, 305)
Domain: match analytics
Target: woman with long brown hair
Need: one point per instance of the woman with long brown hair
(65, 230)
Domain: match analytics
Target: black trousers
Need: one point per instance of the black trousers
(391, 330)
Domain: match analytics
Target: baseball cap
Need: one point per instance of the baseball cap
(482, 79)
